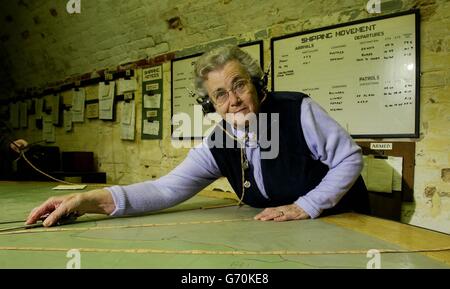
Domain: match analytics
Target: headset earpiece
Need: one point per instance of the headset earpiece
(261, 83)
(206, 104)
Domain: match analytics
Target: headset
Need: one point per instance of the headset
(259, 83)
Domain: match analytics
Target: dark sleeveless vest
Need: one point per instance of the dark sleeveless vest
(293, 173)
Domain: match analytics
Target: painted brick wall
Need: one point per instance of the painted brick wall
(40, 43)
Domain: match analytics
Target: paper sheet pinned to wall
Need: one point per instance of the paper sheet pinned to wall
(48, 130)
(56, 100)
(39, 107)
(126, 85)
(379, 174)
(382, 175)
(128, 121)
(397, 165)
(152, 101)
(92, 110)
(151, 127)
(106, 100)
(67, 115)
(78, 99)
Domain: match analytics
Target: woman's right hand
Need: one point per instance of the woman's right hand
(55, 208)
(18, 145)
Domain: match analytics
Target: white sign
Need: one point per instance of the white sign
(364, 75)
(381, 146)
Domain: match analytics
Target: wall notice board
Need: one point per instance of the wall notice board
(389, 205)
(152, 91)
(365, 74)
(187, 116)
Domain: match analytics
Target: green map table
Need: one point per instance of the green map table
(201, 233)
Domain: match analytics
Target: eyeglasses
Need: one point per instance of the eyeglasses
(239, 87)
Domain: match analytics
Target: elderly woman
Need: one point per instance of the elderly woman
(315, 169)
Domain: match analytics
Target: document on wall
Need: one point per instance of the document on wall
(14, 115)
(152, 101)
(23, 114)
(56, 100)
(48, 130)
(126, 85)
(67, 115)
(152, 105)
(377, 174)
(364, 74)
(151, 127)
(106, 100)
(78, 99)
(39, 107)
(128, 121)
(397, 165)
(92, 110)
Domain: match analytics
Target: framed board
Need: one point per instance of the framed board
(365, 74)
(188, 121)
(152, 96)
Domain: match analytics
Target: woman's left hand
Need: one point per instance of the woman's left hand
(282, 213)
